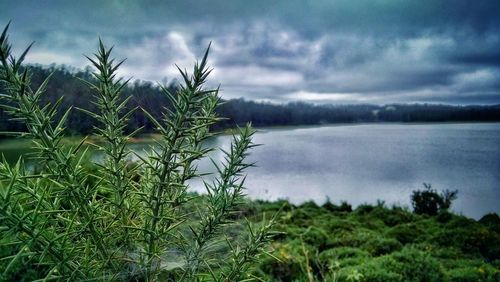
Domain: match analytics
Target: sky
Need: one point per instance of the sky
(317, 51)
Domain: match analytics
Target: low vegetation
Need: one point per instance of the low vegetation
(378, 243)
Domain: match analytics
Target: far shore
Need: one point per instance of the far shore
(9, 143)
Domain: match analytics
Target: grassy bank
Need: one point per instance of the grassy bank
(378, 243)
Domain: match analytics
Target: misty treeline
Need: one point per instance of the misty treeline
(66, 81)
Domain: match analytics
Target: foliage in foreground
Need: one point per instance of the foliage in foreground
(120, 221)
(378, 243)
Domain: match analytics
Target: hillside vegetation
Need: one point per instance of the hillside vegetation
(69, 83)
(378, 243)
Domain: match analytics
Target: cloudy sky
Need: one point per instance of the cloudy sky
(336, 51)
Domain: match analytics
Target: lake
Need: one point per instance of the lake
(364, 163)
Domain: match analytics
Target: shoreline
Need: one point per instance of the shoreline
(146, 137)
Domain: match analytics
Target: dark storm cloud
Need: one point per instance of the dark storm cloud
(475, 58)
(343, 51)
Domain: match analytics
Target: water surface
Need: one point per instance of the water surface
(363, 163)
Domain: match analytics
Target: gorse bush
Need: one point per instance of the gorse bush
(121, 221)
(430, 202)
(359, 246)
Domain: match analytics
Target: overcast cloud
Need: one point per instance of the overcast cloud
(344, 51)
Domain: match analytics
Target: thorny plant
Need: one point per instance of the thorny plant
(123, 222)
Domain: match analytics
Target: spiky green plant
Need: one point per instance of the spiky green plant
(66, 223)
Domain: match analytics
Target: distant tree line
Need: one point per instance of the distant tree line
(67, 82)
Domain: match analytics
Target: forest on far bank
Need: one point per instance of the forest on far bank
(67, 82)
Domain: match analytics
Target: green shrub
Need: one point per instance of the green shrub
(363, 246)
(430, 202)
(405, 233)
(122, 221)
(292, 264)
(444, 217)
(492, 221)
(336, 224)
(344, 206)
(397, 216)
(356, 238)
(466, 274)
(380, 246)
(344, 255)
(372, 221)
(449, 256)
(364, 209)
(285, 270)
(472, 238)
(375, 270)
(309, 205)
(275, 206)
(416, 265)
(316, 237)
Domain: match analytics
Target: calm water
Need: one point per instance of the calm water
(363, 163)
